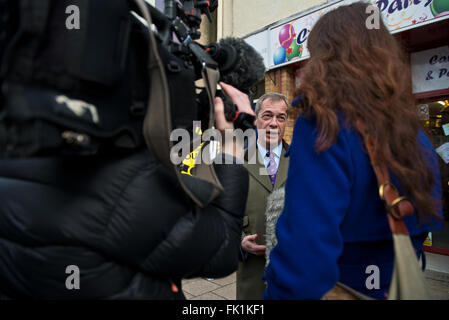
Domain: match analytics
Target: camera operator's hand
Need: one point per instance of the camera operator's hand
(221, 123)
(240, 99)
(242, 102)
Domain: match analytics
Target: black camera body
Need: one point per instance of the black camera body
(239, 64)
(79, 91)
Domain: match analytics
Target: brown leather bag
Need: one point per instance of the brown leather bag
(408, 282)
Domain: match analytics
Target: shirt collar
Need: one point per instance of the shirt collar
(277, 151)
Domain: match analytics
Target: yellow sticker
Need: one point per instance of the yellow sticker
(191, 159)
(428, 241)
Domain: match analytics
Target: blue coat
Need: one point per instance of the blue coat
(334, 225)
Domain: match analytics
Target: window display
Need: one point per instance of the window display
(435, 117)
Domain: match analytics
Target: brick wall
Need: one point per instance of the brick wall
(282, 80)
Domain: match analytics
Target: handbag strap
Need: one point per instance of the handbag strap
(397, 207)
(407, 281)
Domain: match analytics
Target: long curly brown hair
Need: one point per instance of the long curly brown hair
(363, 74)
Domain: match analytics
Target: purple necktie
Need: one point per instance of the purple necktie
(272, 167)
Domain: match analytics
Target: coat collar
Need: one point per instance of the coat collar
(281, 176)
(259, 172)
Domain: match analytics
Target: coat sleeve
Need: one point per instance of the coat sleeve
(204, 241)
(230, 206)
(303, 265)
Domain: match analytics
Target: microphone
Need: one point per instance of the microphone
(241, 66)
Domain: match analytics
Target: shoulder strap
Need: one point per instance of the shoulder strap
(33, 20)
(407, 281)
(397, 207)
(203, 186)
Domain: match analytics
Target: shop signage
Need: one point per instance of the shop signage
(443, 152)
(288, 42)
(430, 69)
(259, 41)
(445, 129)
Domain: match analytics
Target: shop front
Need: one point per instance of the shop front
(429, 59)
(422, 26)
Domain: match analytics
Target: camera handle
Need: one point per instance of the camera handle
(158, 18)
(203, 186)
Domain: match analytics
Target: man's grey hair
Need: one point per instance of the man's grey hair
(273, 96)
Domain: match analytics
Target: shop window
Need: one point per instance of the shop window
(435, 117)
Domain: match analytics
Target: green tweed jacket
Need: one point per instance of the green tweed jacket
(250, 285)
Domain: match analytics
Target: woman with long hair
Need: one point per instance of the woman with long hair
(334, 226)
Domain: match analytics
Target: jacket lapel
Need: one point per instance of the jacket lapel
(259, 172)
(281, 175)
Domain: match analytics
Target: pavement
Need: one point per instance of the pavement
(224, 288)
(438, 284)
(210, 289)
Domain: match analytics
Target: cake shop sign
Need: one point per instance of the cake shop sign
(288, 42)
(430, 69)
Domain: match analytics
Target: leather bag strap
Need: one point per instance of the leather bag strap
(407, 281)
(397, 207)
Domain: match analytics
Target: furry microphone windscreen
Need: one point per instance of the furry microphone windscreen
(248, 67)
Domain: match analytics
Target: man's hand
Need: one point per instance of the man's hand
(243, 104)
(240, 100)
(249, 245)
(220, 120)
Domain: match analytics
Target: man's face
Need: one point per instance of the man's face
(272, 117)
